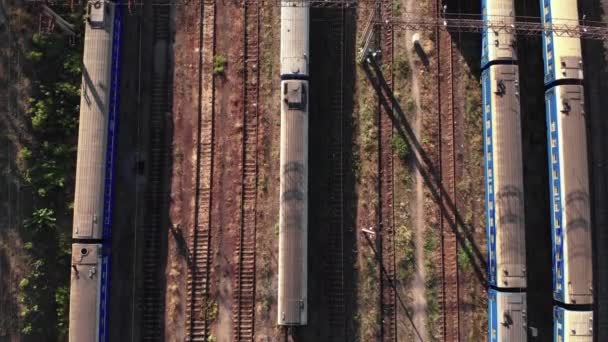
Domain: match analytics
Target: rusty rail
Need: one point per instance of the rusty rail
(386, 187)
(335, 227)
(244, 308)
(152, 291)
(200, 232)
(449, 267)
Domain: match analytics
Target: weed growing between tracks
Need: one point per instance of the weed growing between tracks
(432, 281)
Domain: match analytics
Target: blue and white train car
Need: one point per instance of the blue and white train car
(572, 326)
(497, 45)
(506, 316)
(569, 188)
(503, 169)
(90, 267)
(562, 54)
(505, 221)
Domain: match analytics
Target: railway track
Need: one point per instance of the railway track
(152, 293)
(335, 229)
(199, 244)
(386, 187)
(244, 308)
(449, 243)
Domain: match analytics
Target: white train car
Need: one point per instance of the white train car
(95, 121)
(562, 54)
(85, 292)
(507, 316)
(497, 45)
(293, 210)
(572, 326)
(569, 188)
(94, 174)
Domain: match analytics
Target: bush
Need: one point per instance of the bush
(401, 147)
(401, 67)
(219, 64)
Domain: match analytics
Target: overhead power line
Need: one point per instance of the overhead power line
(529, 26)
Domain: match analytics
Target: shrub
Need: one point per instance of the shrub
(401, 67)
(219, 64)
(401, 147)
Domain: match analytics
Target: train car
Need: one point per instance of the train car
(85, 294)
(293, 210)
(562, 54)
(505, 221)
(572, 326)
(497, 45)
(94, 173)
(569, 188)
(507, 316)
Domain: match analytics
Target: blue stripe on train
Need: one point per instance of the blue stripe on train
(492, 315)
(548, 46)
(553, 146)
(484, 35)
(558, 324)
(489, 175)
(109, 176)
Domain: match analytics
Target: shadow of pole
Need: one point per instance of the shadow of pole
(430, 172)
(392, 284)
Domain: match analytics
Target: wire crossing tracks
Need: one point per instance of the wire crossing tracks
(386, 217)
(152, 296)
(199, 236)
(244, 304)
(449, 293)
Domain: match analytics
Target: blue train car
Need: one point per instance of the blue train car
(562, 54)
(572, 326)
(507, 316)
(503, 166)
(497, 45)
(94, 174)
(569, 189)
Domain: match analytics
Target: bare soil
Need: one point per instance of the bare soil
(181, 209)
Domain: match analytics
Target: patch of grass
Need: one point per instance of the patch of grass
(212, 311)
(410, 105)
(220, 62)
(397, 8)
(368, 279)
(264, 184)
(368, 128)
(464, 261)
(401, 67)
(408, 179)
(432, 281)
(356, 163)
(266, 291)
(401, 147)
(404, 242)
